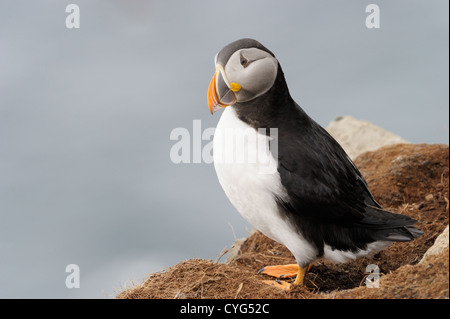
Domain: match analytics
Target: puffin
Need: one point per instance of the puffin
(285, 174)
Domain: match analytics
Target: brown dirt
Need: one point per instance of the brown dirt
(408, 179)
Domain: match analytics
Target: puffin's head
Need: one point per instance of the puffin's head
(245, 69)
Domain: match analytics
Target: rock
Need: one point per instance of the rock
(357, 136)
(439, 246)
(235, 250)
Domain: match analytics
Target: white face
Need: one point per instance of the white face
(254, 70)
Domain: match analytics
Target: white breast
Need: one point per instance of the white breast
(248, 174)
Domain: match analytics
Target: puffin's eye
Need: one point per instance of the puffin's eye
(244, 61)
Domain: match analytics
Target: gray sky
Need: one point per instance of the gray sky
(86, 115)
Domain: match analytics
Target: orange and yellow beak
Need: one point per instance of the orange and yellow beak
(220, 92)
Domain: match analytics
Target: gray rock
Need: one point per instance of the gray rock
(440, 245)
(235, 250)
(357, 136)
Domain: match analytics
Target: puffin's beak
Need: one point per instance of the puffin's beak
(220, 93)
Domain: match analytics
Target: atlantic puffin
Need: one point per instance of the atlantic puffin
(285, 174)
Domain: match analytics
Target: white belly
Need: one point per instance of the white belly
(248, 174)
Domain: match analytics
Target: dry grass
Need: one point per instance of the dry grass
(408, 179)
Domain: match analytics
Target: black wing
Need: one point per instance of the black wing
(327, 197)
(321, 180)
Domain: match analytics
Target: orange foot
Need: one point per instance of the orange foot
(285, 271)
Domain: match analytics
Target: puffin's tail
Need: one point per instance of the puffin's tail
(389, 226)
